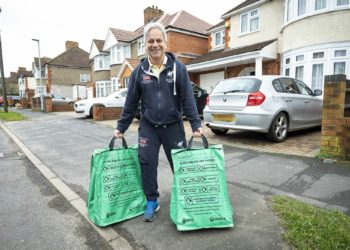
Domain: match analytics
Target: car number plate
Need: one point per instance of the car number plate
(224, 117)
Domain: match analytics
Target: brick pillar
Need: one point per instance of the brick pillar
(335, 134)
(48, 103)
(98, 112)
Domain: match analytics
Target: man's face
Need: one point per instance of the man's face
(155, 45)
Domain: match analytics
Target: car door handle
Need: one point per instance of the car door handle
(287, 100)
(307, 101)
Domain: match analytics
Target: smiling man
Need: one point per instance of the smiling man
(162, 84)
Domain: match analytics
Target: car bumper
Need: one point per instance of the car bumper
(251, 120)
(81, 110)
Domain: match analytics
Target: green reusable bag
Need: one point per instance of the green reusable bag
(115, 189)
(199, 192)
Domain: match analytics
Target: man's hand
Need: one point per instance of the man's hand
(198, 132)
(118, 134)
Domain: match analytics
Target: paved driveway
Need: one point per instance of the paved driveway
(301, 143)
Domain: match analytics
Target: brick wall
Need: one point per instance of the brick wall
(101, 113)
(335, 134)
(182, 43)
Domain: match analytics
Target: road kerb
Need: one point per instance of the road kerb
(111, 236)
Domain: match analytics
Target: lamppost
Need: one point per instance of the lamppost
(3, 76)
(40, 89)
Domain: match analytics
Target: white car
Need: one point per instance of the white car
(115, 99)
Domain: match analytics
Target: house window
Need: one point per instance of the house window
(126, 81)
(287, 72)
(119, 53)
(289, 10)
(301, 7)
(317, 76)
(101, 62)
(114, 84)
(108, 88)
(318, 55)
(103, 88)
(220, 38)
(299, 73)
(84, 77)
(299, 58)
(250, 21)
(287, 60)
(342, 2)
(339, 68)
(340, 53)
(140, 46)
(320, 4)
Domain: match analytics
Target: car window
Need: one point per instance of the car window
(304, 89)
(56, 96)
(242, 85)
(289, 85)
(278, 86)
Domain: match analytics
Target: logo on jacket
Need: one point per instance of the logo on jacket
(146, 79)
(169, 78)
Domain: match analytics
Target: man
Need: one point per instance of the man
(162, 84)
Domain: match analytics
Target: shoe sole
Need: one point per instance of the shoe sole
(150, 220)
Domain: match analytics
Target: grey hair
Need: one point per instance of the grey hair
(154, 25)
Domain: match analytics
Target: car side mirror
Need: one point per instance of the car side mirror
(317, 92)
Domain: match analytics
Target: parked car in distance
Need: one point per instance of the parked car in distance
(270, 104)
(200, 97)
(115, 99)
(60, 100)
(12, 100)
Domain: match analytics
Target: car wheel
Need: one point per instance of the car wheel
(219, 131)
(279, 128)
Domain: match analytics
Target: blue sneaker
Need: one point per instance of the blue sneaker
(150, 212)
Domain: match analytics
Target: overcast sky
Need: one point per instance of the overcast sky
(54, 22)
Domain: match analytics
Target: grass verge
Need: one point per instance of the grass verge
(10, 116)
(308, 227)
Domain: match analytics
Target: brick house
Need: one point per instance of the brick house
(68, 73)
(277, 37)
(123, 49)
(26, 83)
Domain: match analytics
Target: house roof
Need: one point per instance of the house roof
(74, 57)
(181, 20)
(99, 44)
(24, 72)
(230, 52)
(216, 26)
(241, 6)
(185, 21)
(43, 60)
(123, 35)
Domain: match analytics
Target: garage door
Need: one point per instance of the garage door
(208, 81)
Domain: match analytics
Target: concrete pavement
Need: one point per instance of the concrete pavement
(33, 214)
(64, 144)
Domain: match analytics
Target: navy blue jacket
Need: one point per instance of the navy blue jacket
(162, 102)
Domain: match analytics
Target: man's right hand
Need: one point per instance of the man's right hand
(118, 134)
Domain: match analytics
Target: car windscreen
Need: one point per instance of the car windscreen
(237, 85)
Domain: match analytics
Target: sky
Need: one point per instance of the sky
(55, 22)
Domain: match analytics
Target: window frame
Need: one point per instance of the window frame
(248, 21)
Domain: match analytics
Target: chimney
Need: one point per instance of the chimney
(71, 44)
(151, 13)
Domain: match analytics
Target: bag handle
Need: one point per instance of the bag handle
(204, 140)
(111, 144)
